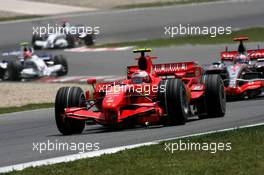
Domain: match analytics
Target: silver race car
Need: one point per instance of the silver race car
(242, 71)
(63, 38)
(28, 66)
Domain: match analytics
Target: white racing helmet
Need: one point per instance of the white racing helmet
(241, 58)
(140, 77)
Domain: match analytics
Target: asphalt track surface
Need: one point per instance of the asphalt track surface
(18, 131)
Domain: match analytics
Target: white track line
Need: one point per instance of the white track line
(73, 157)
(102, 49)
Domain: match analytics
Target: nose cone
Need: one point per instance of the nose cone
(113, 100)
(233, 90)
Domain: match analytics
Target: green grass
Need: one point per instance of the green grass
(254, 34)
(159, 4)
(12, 18)
(25, 108)
(245, 158)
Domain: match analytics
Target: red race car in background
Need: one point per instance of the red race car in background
(242, 71)
(152, 94)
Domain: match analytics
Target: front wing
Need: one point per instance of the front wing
(109, 116)
(249, 85)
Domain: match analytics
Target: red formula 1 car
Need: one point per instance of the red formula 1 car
(242, 71)
(152, 94)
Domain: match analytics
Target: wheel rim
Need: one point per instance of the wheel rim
(6, 75)
(64, 69)
(222, 97)
(184, 101)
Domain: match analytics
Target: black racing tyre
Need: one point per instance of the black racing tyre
(2, 73)
(70, 40)
(172, 97)
(34, 39)
(215, 97)
(89, 40)
(69, 97)
(59, 59)
(14, 68)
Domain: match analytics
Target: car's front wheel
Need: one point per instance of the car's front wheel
(70, 40)
(60, 60)
(68, 97)
(89, 39)
(214, 97)
(13, 71)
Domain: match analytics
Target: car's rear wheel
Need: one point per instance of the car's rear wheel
(172, 96)
(33, 41)
(59, 59)
(214, 97)
(2, 73)
(69, 97)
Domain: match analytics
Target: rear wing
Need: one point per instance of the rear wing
(256, 54)
(228, 56)
(170, 69)
(252, 54)
(18, 52)
(11, 53)
(242, 38)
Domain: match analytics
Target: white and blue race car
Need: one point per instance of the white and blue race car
(66, 37)
(28, 66)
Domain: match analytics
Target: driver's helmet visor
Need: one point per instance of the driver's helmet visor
(242, 59)
(27, 54)
(137, 80)
(140, 77)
